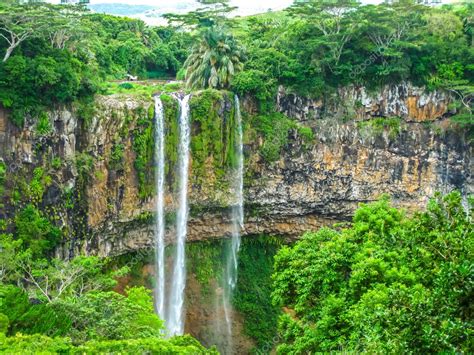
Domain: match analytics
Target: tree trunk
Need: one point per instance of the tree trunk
(8, 53)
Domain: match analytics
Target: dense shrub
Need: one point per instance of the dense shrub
(388, 283)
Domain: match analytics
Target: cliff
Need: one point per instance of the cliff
(97, 164)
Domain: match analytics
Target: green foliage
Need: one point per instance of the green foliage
(57, 56)
(36, 231)
(13, 302)
(116, 156)
(256, 83)
(253, 291)
(389, 283)
(3, 323)
(37, 186)
(171, 109)
(126, 86)
(377, 126)
(3, 175)
(111, 316)
(34, 344)
(275, 128)
(213, 135)
(204, 260)
(56, 163)
(44, 126)
(214, 60)
(143, 146)
(43, 319)
(84, 165)
(207, 140)
(314, 47)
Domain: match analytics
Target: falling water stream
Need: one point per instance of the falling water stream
(169, 296)
(160, 207)
(237, 215)
(174, 318)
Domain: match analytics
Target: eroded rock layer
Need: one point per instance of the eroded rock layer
(95, 187)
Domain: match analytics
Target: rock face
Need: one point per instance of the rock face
(312, 184)
(413, 104)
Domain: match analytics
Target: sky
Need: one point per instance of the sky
(245, 7)
(240, 3)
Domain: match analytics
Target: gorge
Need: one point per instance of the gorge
(317, 180)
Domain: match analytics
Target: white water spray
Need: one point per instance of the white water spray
(160, 207)
(174, 319)
(237, 215)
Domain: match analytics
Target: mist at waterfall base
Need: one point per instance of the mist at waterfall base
(170, 263)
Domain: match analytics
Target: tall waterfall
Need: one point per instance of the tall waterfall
(160, 207)
(237, 214)
(174, 319)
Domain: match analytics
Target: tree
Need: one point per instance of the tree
(35, 230)
(112, 316)
(18, 23)
(65, 25)
(333, 19)
(214, 61)
(9, 249)
(55, 279)
(215, 13)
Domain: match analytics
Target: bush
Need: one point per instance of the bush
(36, 231)
(4, 321)
(126, 86)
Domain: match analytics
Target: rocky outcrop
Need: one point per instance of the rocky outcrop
(412, 103)
(312, 184)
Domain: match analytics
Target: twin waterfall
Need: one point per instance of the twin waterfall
(160, 207)
(170, 284)
(174, 318)
(232, 246)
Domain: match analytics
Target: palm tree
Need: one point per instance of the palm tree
(214, 61)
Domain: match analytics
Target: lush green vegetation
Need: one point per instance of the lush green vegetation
(214, 61)
(143, 146)
(58, 54)
(316, 46)
(386, 283)
(212, 141)
(253, 292)
(48, 304)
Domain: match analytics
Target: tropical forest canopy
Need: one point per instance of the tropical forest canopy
(59, 54)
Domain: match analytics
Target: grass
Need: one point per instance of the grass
(141, 88)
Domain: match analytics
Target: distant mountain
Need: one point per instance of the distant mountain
(121, 9)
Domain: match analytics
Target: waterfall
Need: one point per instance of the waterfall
(237, 214)
(160, 207)
(174, 320)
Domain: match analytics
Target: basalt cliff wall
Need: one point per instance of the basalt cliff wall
(96, 171)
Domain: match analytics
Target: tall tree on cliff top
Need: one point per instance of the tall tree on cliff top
(217, 56)
(333, 21)
(214, 13)
(214, 60)
(18, 23)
